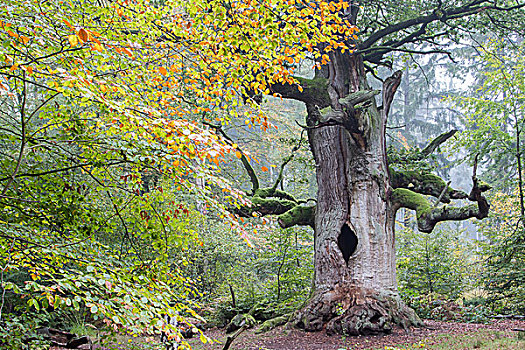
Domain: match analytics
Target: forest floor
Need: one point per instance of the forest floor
(497, 335)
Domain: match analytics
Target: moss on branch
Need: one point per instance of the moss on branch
(299, 215)
(428, 216)
(411, 200)
(314, 91)
(425, 183)
(271, 206)
(272, 192)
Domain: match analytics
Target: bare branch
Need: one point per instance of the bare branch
(438, 141)
(245, 162)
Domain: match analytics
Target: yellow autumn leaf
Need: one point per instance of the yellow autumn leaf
(238, 154)
(73, 40)
(98, 47)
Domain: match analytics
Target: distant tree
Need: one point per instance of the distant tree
(438, 262)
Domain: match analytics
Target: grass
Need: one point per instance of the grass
(483, 340)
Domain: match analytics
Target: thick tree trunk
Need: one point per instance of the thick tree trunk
(355, 279)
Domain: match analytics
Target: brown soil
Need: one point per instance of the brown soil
(286, 339)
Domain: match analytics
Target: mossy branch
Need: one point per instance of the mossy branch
(358, 97)
(298, 215)
(314, 91)
(438, 141)
(290, 212)
(425, 183)
(428, 215)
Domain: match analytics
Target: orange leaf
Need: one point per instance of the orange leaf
(127, 52)
(24, 39)
(12, 34)
(83, 35)
(68, 24)
(163, 71)
(238, 154)
(264, 168)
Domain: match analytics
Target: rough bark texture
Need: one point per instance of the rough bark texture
(355, 310)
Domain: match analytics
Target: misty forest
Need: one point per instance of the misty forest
(262, 174)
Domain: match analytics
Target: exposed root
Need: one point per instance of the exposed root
(353, 310)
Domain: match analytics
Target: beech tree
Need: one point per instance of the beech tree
(359, 192)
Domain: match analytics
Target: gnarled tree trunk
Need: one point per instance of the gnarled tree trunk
(355, 280)
(355, 288)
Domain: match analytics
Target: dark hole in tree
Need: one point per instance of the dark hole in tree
(347, 242)
(375, 318)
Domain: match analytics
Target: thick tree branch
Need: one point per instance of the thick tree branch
(428, 215)
(299, 215)
(428, 150)
(315, 91)
(425, 183)
(390, 86)
(358, 97)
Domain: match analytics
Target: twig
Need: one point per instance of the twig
(442, 194)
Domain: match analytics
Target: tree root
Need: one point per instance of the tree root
(355, 311)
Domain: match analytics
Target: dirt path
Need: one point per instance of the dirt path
(283, 339)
